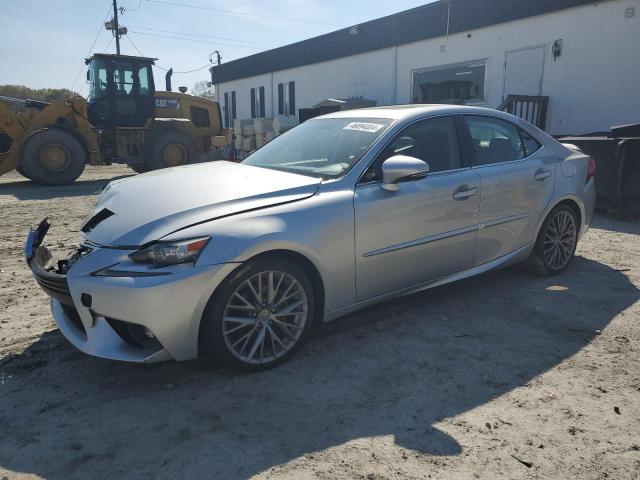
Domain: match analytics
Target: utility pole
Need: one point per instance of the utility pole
(116, 30)
(218, 56)
(115, 27)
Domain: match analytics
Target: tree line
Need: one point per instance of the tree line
(41, 94)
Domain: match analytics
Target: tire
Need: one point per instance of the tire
(224, 338)
(53, 157)
(556, 243)
(138, 167)
(20, 169)
(171, 149)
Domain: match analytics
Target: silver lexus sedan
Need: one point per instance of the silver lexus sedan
(238, 261)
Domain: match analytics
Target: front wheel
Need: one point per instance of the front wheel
(556, 243)
(259, 316)
(20, 169)
(53, 157)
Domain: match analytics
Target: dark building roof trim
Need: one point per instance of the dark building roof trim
(421, 23)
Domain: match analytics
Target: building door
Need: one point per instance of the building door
(523, 71)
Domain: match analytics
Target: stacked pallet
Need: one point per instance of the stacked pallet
(245, 133)
(252, 134)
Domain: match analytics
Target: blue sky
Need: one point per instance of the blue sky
(45, 41)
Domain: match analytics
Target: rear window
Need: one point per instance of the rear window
(530, 144)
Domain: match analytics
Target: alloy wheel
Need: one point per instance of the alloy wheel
(265, 317)
(560, 240)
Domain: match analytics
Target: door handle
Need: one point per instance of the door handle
(465, 192)
(541, 175)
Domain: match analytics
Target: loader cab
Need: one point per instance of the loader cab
(121, 91)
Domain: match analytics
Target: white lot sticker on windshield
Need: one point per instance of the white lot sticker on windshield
(364, 127)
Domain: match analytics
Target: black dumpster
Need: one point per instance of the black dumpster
(617, 169)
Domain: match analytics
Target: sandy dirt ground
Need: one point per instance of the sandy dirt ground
(506, 375)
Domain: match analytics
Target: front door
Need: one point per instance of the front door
(523, 71)
(517, 182)
(425, 230)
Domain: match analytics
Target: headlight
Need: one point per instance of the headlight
(163, 254)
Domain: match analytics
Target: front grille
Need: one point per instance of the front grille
(80, 253)
(54, 284)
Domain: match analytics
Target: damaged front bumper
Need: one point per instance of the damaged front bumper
(123, 314)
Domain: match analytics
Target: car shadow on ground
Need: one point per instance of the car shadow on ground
(27, 190)
(395, 370)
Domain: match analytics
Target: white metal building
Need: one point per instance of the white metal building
(583, 54)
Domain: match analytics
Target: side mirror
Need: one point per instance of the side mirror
(401, 167)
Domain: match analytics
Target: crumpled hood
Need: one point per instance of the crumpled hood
(145, 208)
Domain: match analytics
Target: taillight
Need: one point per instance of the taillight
(592, 169)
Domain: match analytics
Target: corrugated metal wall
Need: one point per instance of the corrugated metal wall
(594, 84)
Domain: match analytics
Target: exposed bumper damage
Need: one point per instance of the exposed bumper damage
(107, 309)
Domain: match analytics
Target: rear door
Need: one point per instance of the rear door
(517, 183)
(425, 230)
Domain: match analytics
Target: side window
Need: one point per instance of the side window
(143, 75)
(435, 141)
(495, 140)
(531, 145)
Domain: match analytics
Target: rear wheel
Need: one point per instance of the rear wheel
(138, 167)
(556, 244)
(172, 149)
(259, 316)
(53, 157)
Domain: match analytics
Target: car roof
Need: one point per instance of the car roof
(409, 112)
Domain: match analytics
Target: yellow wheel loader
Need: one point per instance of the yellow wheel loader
(124, 120)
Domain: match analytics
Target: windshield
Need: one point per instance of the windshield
(119, 78)
(324, 147)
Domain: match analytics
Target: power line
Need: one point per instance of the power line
(203, 36)
(246, 14)
(134, 46)
(166, 69)
(124, 9)
(195, 41)
(95, 40)
(108, 45)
